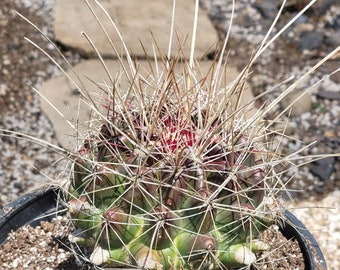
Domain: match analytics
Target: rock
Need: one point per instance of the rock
(299, 105)
(135, 20)
(285, 128)
(64, 96)
(305, 27)
(310, 40)
(267, 8)
(248, 17)
(321, 7)
(334, 22)
(295, 5)
(333, 143)
(3, 89)
(333, 39)
(329, 94)
(323, 168)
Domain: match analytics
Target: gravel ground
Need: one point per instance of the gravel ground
(25, 165)
(22, 67)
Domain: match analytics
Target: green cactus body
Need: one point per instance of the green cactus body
(82, 169)
(178, 200)
(86, 217)
(121, 228)
(149, 258)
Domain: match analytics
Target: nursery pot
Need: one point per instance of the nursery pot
(42, 204)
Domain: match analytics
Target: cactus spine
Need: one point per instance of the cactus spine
(175, 177)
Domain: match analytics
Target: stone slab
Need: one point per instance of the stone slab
(63, 95)
(135, 20)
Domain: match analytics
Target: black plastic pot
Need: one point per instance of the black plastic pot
(42, 204)
(293, 228)
(29, 209)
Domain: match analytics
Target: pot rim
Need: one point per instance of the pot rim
(29, 209)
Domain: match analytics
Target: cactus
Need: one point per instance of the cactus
(169, 183)
(170, 192)
(174, 177)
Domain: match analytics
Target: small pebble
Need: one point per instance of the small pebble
(323, 168)
(329, 94)
(310, 41)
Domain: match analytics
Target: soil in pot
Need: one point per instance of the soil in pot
(46, 247)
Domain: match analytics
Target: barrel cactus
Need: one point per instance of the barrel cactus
(175, 176)
(173, 179)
